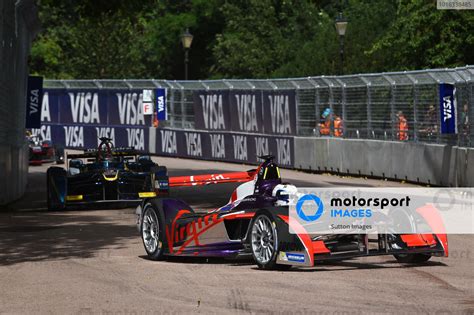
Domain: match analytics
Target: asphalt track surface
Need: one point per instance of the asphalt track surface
(93, 261)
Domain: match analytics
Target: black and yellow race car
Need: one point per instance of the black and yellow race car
(105, 174)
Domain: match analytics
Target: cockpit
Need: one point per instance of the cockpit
(269, 172)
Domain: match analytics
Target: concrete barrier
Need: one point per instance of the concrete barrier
(13, 171)
(434, 164)
(19, 23)
(468, 179)
(321, 155)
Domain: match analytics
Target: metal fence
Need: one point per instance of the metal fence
(368, 104)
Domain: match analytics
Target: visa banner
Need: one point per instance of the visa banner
(34, 99)
(211, 110)
(447, 108)
(224, 146)
(161, 113)
(279, 112)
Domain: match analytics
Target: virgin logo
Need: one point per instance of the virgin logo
(188, 233)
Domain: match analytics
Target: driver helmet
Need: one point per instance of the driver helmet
(283, 193)
(326, 113)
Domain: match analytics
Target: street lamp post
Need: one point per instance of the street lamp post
(341, 26)
(186, 40)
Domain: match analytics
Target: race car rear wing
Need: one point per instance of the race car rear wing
(115, 152)
(208, 179)
(233, 177)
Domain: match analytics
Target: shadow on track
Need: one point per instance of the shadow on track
(354, 265)
(205, 260)
(319, 267)
(30, 237)
(34, 198)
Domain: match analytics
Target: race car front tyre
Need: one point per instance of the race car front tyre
(412, 258)
(56, 182)
(152, 230)
(264, 242)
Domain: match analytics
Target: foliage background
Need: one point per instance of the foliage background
(95, 39)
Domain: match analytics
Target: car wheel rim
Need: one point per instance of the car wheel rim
(263, 239)
(150, 231)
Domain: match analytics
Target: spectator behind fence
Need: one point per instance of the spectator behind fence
(402, 127)
(325, 127)
(430, 122)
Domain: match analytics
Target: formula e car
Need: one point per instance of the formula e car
(256, 223)
(44, 151)
(105, 174)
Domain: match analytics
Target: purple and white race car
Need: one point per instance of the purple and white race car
(256, 223)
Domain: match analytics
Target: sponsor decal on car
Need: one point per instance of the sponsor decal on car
(147, 194)
(293, 257)
(161, 184)
(183, 235)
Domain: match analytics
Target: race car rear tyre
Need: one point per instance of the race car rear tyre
(412, 258)
(264, 242)
(152, 231)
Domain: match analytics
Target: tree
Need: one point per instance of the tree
(163, 43)
(124, 39)
(94, 39)
(424, 37)
(251, 42)
(367, 22)
(282, 38)
(89, 39)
